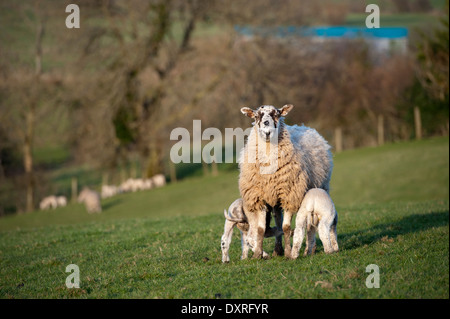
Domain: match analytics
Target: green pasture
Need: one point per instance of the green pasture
(165, 243)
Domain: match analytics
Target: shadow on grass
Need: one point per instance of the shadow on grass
(409, 224)
(111, 203)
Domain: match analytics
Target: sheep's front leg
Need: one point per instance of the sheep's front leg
(287, 218)
(278, 250)
(226, 240)
(244, 246)
(257, 228)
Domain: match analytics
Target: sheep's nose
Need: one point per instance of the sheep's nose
(266, 123)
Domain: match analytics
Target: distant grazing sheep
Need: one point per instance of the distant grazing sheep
(109, 191)
(278, 164)
(61, 201)
(159, 180)
(133, 185)
(316, 212)
(236, 217)
(48, 202)
(91, 199)
(136, 184)
(51, 202)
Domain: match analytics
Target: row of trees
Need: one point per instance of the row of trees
(113, 90)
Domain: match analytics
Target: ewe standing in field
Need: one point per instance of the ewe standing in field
(91, 200)
(236, 217)
(278, 165)
(316, 212)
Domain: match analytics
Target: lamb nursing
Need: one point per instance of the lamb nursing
(236, 217)
(316, 212)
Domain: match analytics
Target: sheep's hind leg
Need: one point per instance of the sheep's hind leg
(278, 250)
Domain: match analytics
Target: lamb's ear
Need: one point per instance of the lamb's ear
(248, 112)
(285, 109)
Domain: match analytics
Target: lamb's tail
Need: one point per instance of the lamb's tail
(311, 221)
(234, 220)
(308, 221)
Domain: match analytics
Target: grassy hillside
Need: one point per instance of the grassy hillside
(395, 172)
(165, 243)
(179, 257)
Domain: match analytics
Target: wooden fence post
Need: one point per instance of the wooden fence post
(205, 168)
(214, 169)
(172, 172)
(338, 139)
(417, 123)
(74, 189)
(380, 130)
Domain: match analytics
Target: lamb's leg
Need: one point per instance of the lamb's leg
(287, 233)
(278, 250)
(324, 235)
(310, 241)
(333, 235)
(226, 240)
(299, 234)
(244, 245)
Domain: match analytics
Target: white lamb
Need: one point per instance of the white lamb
(316, 212)
(236, 217)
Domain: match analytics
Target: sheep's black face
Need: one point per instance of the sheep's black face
(267, 119)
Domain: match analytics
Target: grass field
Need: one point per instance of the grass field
(165, 243)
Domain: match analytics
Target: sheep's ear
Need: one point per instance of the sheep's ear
(285, 109)
(248, 112)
